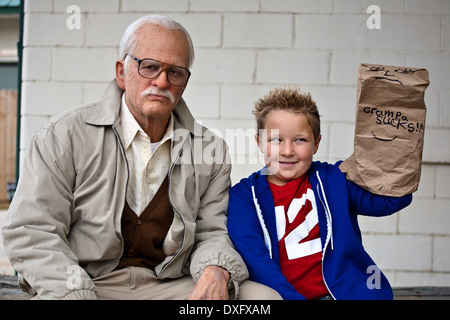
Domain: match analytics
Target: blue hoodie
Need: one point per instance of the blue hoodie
(347, 269)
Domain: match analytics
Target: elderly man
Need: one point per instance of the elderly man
(111, 203)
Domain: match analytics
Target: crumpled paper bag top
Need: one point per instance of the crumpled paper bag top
(389, 129)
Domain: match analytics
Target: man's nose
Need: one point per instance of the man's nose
(161, 81)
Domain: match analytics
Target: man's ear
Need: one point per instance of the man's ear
(120, 74)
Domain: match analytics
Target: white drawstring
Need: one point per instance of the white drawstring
(327, 211)
(261, 222)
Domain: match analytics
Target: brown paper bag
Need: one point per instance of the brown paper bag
(389, 129)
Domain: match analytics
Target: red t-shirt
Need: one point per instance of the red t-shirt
(299, 237)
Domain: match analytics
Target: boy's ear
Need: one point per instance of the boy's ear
(316, 143)
(257, 138)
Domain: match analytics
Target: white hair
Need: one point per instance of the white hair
(128, 41)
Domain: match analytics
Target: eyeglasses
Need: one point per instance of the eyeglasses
(150, 69)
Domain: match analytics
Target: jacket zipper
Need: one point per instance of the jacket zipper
(122, 148)
(329, 232)
(175, 210)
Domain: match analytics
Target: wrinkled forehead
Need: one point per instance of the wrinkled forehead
(163, 44)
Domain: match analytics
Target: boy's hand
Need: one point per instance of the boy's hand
(212, 285)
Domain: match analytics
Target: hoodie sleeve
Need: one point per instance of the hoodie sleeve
(247, 236)
(366, 203)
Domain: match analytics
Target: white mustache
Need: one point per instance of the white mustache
(158, 92)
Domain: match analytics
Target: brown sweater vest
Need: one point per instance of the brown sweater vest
(144, 235)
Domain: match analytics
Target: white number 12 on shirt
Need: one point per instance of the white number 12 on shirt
(294, 248)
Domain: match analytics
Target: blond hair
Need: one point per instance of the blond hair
(289, 99)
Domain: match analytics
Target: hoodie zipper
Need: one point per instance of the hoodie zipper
(267, 239)
(329, 228)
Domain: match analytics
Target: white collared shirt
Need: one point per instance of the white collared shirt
(148, 162)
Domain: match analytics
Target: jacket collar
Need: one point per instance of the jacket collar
(109, 110)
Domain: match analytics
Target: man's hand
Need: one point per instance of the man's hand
(212, 285)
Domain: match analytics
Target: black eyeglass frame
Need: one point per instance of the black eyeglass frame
(164, 67)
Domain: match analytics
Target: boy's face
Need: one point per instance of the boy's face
(288, 145)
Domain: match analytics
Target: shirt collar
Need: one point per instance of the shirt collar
(131, 127)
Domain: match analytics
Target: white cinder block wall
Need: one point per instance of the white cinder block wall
(243, 49)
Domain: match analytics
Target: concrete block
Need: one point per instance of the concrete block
(351, 32)
(43, 29)
(84, 64)
(426, 216)
(386, 57)
(345, 64)
(444, 98)
(292, 67)
(335, 103)
(237, 101)
(445, 25)
(443, 181)
(296, 6)
(49, 98)
(344, 32)
(434, 7)
(205, 29)
(223, 66)
(437, 64)
(435, 147)
(341, 140)
(224, 6)
(38, 6)
(322, 152)
(28, 127)
(360, 6)
(93, 91)
(106, 29)
(37, 64)
(427, 184)
(434, 118)
(88, 5)
(258, 31)
(203, 100)
(404, 32)
(143, 6)
(441, 256)
(400, 252)
(421, 279)
(386, 225)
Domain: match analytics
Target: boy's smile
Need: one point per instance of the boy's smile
(288, 145)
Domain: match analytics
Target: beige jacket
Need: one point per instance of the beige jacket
(68, 205)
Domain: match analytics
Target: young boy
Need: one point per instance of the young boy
(295, 221)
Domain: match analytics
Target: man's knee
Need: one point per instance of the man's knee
(250, 290)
